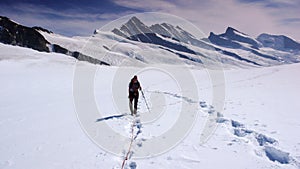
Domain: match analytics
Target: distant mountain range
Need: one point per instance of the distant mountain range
(287, 49)
(165, 43)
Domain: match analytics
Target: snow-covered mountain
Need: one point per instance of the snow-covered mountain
(135, 43)
(15, 34)
(134, 29)
(279, 42)
(233, 46)
(281, 48)
(233, 38)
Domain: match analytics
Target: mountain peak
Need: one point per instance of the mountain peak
(134, 27)
(134, 19)
(230, 29)
(232, 38)
(233, 31)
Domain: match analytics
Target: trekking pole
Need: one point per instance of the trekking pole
(145, 101)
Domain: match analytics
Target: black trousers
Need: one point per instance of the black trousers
(134, 96)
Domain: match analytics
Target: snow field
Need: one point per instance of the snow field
(39, 127)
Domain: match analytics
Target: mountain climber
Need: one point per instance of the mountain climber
(134, 87)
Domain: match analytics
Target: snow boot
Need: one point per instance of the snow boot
(131, 109)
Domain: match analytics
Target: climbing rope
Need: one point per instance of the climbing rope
(130, 145)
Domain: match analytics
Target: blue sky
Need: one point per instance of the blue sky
(75, 17)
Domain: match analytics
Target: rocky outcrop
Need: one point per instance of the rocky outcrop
(15, 34)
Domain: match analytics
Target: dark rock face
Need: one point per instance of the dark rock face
(82, 57)
(58, 49)
(224, 42)
(41, 29)
(278, 42)
(234, 34)
(231, 37)
(79, 56)
(15, 34)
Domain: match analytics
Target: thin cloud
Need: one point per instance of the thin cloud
(41, 10)
(291, 20)
(153, 5)
(250, 16)
(69, 22)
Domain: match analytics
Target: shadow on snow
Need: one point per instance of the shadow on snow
(110, 117)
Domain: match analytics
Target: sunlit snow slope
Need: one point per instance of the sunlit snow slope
(39, 126)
